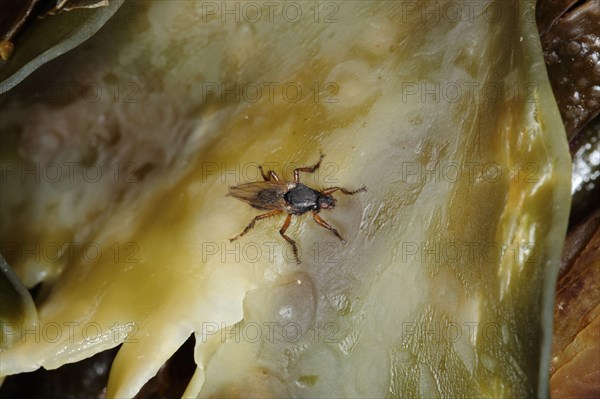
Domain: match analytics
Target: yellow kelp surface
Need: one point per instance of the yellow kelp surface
(441, 109)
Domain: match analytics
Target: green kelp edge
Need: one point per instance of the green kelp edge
(17, 310)
(556, 140)
(51, 37)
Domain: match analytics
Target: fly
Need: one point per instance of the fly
(291, 197)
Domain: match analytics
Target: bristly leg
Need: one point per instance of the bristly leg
(270, 176)
(345, 191)
(307, 169)
(323, 223)
(251, 225)
(285, 226)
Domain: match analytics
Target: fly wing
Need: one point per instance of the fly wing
(261, 195)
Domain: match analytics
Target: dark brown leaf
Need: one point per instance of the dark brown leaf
(575, 365)
(13, 15)
(571, 47)
(69, 5)
(585, 151)
(576, 242)
(549, 11)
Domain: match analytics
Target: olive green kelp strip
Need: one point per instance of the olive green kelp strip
(442, 109)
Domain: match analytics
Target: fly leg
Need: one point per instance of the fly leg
(323, 223)
(345, 191)
(251, 225)
(288, 239)
(270, 176)
(308, 169)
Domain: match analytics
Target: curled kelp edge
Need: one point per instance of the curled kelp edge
(555, 136)
(17, 310)
(51, 37)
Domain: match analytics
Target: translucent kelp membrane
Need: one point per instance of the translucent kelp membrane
(441, 109)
